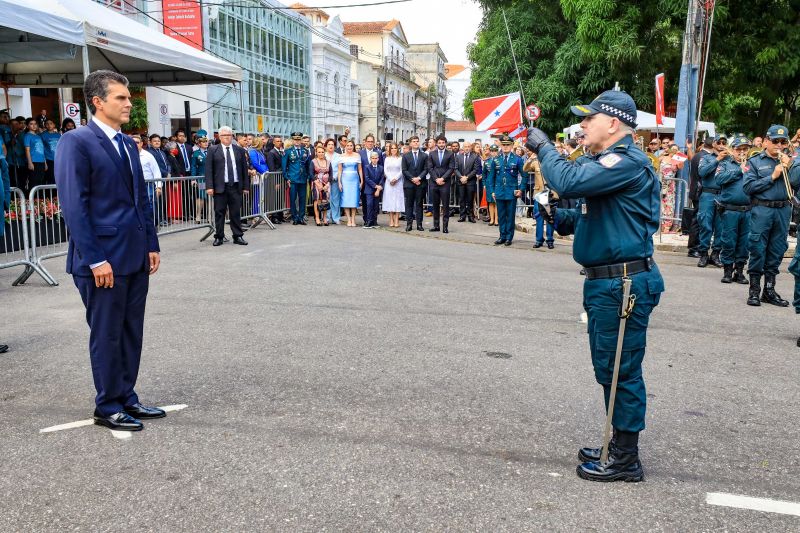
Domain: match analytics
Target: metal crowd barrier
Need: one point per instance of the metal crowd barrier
(16, 249)
(181, 204)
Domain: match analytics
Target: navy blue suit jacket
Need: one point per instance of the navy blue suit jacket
(365, 160)
(107, 221)
(373, 177)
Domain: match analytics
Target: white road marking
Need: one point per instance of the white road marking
(254, 252)
(754, 504)
(554, 474)
(584, 318)
(118, 434)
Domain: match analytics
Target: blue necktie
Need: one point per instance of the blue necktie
(126, 162)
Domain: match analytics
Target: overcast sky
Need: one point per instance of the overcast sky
(451, 23)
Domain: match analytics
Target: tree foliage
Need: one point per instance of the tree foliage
(571, 50)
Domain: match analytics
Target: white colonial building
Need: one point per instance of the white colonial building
(334, 93)
(458, 79)
(388, 106)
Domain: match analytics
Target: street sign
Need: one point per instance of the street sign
(260, 123)
(163, 114)
(533, 112)
(71, 110)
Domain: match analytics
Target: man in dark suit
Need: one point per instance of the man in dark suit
(441, 166)
(365, 153)
(274, 160)
(415, 182)
(373, 185)
(113, 247)
(226, 180)
(467, 168)
(184, 157)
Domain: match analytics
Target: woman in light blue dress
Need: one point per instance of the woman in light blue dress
(351, 181)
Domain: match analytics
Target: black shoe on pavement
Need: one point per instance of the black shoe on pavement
(693, 253)
(727, 274)
(755, 288)
(217, 242)
(714, 259)
(294, 222)
(121, 421)
(738, 274)
(538, 244)
(769, 295)
(462, 219)
(225, 239)
(138, 410)
(408, 227)
(620, 467)
(507, 243)
(499, 242)
(301, 222)
(550, 246)
(703, 260)
(240, 241)
(420, 228)
(472, 220)
(435, 228)
(3, 348)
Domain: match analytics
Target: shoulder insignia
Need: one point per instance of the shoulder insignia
(610, 160)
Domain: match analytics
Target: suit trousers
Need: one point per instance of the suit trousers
(229, 200)
(371, 206)
(440, 198)
(505, 218)
(297, 194)
(414, 197)
(116, 326)
(601, 300)
(466, 199)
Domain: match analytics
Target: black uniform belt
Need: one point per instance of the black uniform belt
(619, 269)
(712, 191)
(770, 203)
(731, 207)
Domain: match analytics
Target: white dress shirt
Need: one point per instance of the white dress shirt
(150, 168)
(233, 160)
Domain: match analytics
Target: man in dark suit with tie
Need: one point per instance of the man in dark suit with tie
(415, 182)
(467, 168)
(441, 166)
(113, 247)
(274, 160)
(226, 180)
(184, 156)
(365, 153)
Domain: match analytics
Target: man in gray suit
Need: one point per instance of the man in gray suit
(467, 168)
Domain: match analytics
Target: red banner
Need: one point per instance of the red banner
(660, 99)
(183, 20)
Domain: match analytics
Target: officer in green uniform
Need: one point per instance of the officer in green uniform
(794, 269)
(295, 171)
(734, 212)
(505, 188)
(613, 230)
(769, 218)
(707, 214)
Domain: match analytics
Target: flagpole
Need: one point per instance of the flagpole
(514, 57)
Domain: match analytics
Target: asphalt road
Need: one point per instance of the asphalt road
(343, 379)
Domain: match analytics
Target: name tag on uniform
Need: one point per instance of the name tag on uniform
(610, 160)
(583, 209)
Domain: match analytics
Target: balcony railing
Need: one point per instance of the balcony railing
(398, 70)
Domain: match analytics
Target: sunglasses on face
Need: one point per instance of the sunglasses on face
(781, 142)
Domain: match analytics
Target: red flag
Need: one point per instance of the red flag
(501, 113)
(660, 99)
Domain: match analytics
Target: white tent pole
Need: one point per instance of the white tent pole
(241, 105)
(86, 72)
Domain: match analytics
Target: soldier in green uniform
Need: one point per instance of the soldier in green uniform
(505, 188)
(613, 230)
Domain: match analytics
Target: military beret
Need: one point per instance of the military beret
(776, 131)
(617, 104)
(202, 133)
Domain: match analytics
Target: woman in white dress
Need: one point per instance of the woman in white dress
(393, 197)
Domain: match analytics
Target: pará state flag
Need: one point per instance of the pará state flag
(499, 113)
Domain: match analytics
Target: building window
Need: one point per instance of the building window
(336, 89)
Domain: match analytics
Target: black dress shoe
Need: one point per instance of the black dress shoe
(693, 253)
(462, 219)
(550, 246)
(472, 220)
(538, 244)
(620, 467)
(217, 242)
(3, 348)
(294, 222)
(121, 421)
(434, 229)
(301, 222)
(420, 228)
(507, 243)
(138, 410)
(499, 242)
(445, 230)
(240, 241)
(408, 227)
(225, 239)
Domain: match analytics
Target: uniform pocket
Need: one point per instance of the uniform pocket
(105, 231)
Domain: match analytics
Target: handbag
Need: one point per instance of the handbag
(324, 206)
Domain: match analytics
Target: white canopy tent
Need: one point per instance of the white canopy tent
(55, 43)
(647, 122)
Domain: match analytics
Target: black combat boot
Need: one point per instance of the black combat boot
(755, 288)
(593, 454)
(714, 260)
(727, 274)
(769, 296)
(703, 262)
(623, 462)
(738, 275)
